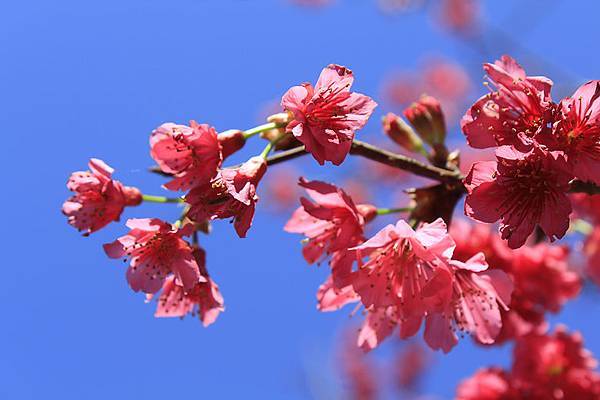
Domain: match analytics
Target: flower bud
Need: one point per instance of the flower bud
(432, 202)
(401, 133)
(289, 141)
(428, 119)
(231, 141)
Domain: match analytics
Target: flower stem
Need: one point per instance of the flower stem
(161, 199)
(269, 147)
(261, 128)
(386, 211)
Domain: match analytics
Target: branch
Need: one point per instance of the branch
(374, 153)
(399, 161)
(577, 186)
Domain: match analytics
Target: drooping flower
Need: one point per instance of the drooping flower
(487, 384)
(231, 194)
(577, 132)
(156, 249)
(477, 298)
(327, 116)
(204, 299)
(332, 224)
(406, 268)
(98, 199)
(521, 191)
(516, 113)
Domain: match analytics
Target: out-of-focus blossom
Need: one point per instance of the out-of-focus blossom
(460, 16)
(358, 372)
(591, 249)
(327, 116)
(487, 384)
(156, 250)
(332, 224)
(411, 363)
(231, 194)
(204, 299)
(518, 113)
(521, 191)
(279, 191)
(545, 366)
(98, 199)
(439, 77)
(555, 366)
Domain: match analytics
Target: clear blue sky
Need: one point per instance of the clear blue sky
(84, 79)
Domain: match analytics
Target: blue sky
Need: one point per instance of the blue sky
(92, 79)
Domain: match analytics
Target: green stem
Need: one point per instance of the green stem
(161, 199)
(261, 128)
(269, 146)
(386, 211)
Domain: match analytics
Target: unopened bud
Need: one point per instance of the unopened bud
(133, 196)
(231, 141)
(428, 119)
(368, 211)
(401, 133)
(287, 142)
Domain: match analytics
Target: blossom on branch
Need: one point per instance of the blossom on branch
(332, 224)
(230, 194)
(521, 190)
(326, 116)
(156, 249)
(98, 199)
(204, 299)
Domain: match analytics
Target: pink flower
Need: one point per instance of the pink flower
(204, 299)
(520, 190)
(411, 364)
(332, 224)
(555, 366)
(327, 116)
(331, 298)
(360, 375)
(406, 269)
(487, 384)
(192, 153)
(515, 114)
(156, 250)
(231, 194)
(459, 15)
(477, 298)
(541, 275)
(98, 199)
(578, 131)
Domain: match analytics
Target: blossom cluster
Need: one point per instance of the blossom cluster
(541, 146)
(404, 277)
(162, 261)
(545, 366)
